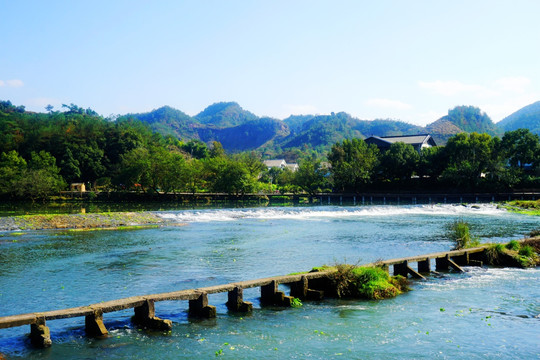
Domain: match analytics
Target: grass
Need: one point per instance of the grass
(459, 233)
(372, 283)
(513, 253)
(527, 207)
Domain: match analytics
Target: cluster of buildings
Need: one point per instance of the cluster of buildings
(419, 142)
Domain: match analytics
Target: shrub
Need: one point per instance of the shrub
(367, 282)
(513, 245)
(527, 251)
(458, 231)
(494, 253)
(534, 233)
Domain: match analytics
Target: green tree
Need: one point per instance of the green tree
(469, 158)
(520, 147)
(353, 163)
(399, 161)
(311, 176)
(12, 167)
(41, 178)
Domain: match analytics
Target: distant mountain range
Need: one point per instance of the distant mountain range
(240, 130)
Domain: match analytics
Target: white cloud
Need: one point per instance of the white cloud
(507, 106)
(388, 104)
(513, 84)
(15, 83)
(454, 87)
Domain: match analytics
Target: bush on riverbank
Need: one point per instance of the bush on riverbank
(515, 254)
(367, 282)
(459, 233)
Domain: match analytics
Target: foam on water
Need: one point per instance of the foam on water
(330, 212)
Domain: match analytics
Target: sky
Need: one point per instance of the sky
(406, 60)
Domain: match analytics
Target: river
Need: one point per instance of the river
(485, 313)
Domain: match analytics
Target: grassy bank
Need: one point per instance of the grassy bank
(528, 207)
(109, 220)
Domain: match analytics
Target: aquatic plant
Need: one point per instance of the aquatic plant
(513, 253)
(459, 233)
(513, 245)
(367, 282)
(296, 303)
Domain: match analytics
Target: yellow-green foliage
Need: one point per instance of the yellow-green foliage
(512, 254)
(524, 207)
(367, 282)
(458, 231)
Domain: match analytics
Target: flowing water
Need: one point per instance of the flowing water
(485, 313)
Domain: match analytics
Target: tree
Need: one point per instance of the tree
(11, 170)
(41, 178)
(469, 158)
(520, 147)
(353, 162)
(311, 176)
(399, 161)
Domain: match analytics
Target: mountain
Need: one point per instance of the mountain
(462, 119)
(225, 114)
(527, 118)
(169, 121)
(247, 136)
(240, 130)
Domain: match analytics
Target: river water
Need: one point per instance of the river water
(485, 313)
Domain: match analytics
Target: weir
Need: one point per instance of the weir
(306, 286)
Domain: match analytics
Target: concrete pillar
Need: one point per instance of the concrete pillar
(299, 289)
(401, 269)
(424, 266)
(200, 308)
(94, 326)
(441, 264)
(271, 296)
(40, 335)
(145, 316)
(236, 301)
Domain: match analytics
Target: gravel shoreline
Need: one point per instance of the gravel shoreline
(80, 221)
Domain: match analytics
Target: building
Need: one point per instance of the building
(417, 141)
(280, 163)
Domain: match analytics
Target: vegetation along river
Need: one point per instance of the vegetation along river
(485, 313)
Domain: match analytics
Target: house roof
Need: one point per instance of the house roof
(275, 163)
(414, 140)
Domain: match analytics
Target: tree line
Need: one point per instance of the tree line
(42, 153)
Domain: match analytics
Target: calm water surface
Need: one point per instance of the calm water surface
(482, 314)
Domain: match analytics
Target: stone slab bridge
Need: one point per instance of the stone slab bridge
(306, 286)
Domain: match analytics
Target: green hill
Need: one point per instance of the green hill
(527, 117)
(462, 119)
(225, 114)
(168, 121)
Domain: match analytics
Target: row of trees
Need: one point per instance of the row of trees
(40, 154)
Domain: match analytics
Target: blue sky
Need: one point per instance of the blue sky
(407, 60)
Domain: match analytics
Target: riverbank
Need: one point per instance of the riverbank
(109, 220)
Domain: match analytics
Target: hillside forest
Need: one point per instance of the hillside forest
(42, 153)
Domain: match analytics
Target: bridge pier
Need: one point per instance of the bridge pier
(145, 316)
(94, 326)
(236, 301)
(300, 289)
(271, 296)
(200, 308)
(40, 335)
(443, 263)
(404, 270)
(424, 266)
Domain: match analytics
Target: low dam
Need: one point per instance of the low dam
(306, 286)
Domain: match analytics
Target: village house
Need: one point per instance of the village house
(419, 142)
(280, 163)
